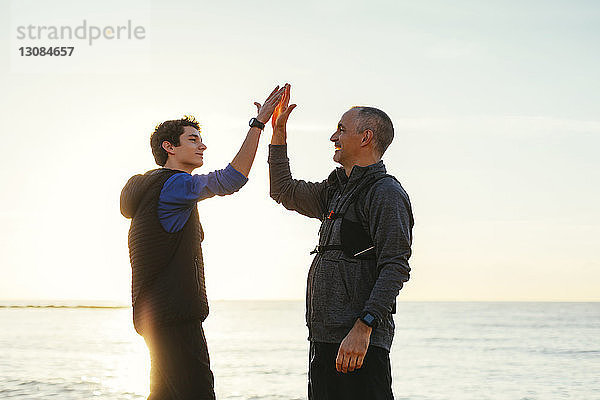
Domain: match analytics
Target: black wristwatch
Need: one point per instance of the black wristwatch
(254, 123)
(369, 319)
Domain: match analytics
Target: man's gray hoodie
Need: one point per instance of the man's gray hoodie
(340, 287)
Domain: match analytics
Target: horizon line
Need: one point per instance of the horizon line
(91, 304)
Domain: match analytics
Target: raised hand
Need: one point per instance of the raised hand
(266, 109)
(243, 160)
(282, 111)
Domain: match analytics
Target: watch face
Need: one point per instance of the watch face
(256, 123)
(369, 319)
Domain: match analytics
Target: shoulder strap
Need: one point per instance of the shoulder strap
(359, 196)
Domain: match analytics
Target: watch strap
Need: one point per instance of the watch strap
(369, 319)
(254, 123)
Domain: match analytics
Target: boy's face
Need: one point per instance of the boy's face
(190, 150)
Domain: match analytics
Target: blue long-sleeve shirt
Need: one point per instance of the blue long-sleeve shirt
(182, 191)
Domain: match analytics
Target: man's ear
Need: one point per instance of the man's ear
(168, 147)
(368, 136)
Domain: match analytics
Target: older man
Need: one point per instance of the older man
(361, 259)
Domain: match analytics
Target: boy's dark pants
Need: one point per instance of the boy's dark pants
(180, 364)
(373, 381)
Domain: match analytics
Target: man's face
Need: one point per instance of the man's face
(190, 149)
(346, 140)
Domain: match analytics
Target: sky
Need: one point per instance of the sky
(496, 109)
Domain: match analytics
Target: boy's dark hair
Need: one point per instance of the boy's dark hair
(169, 131)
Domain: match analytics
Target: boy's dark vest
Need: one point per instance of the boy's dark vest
(167, 268)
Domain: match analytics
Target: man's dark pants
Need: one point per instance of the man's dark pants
(180, 364)
(373, 381)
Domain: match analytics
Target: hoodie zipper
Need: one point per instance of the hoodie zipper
(327, 234)
(197, 273)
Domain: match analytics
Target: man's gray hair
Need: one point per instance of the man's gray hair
(377, 121)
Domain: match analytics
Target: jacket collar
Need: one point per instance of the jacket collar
(338, 176)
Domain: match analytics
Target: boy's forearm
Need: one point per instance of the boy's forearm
(243, 160)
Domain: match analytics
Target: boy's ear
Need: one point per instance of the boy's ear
(168, 147)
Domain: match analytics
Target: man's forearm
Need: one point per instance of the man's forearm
(245, 157)
(305, 197)
(390, 281)
(279, 136)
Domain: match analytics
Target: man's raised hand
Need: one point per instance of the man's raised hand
(283, 110)
(280, 117)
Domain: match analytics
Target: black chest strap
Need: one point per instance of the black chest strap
(355, 241)
(323, 249)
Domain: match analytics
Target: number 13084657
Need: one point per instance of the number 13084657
(46, 51)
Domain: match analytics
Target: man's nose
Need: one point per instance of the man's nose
(334, 137)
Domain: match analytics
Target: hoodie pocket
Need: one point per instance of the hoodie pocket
(333, 294)
(360, 274)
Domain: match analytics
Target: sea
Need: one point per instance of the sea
(453, 350)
